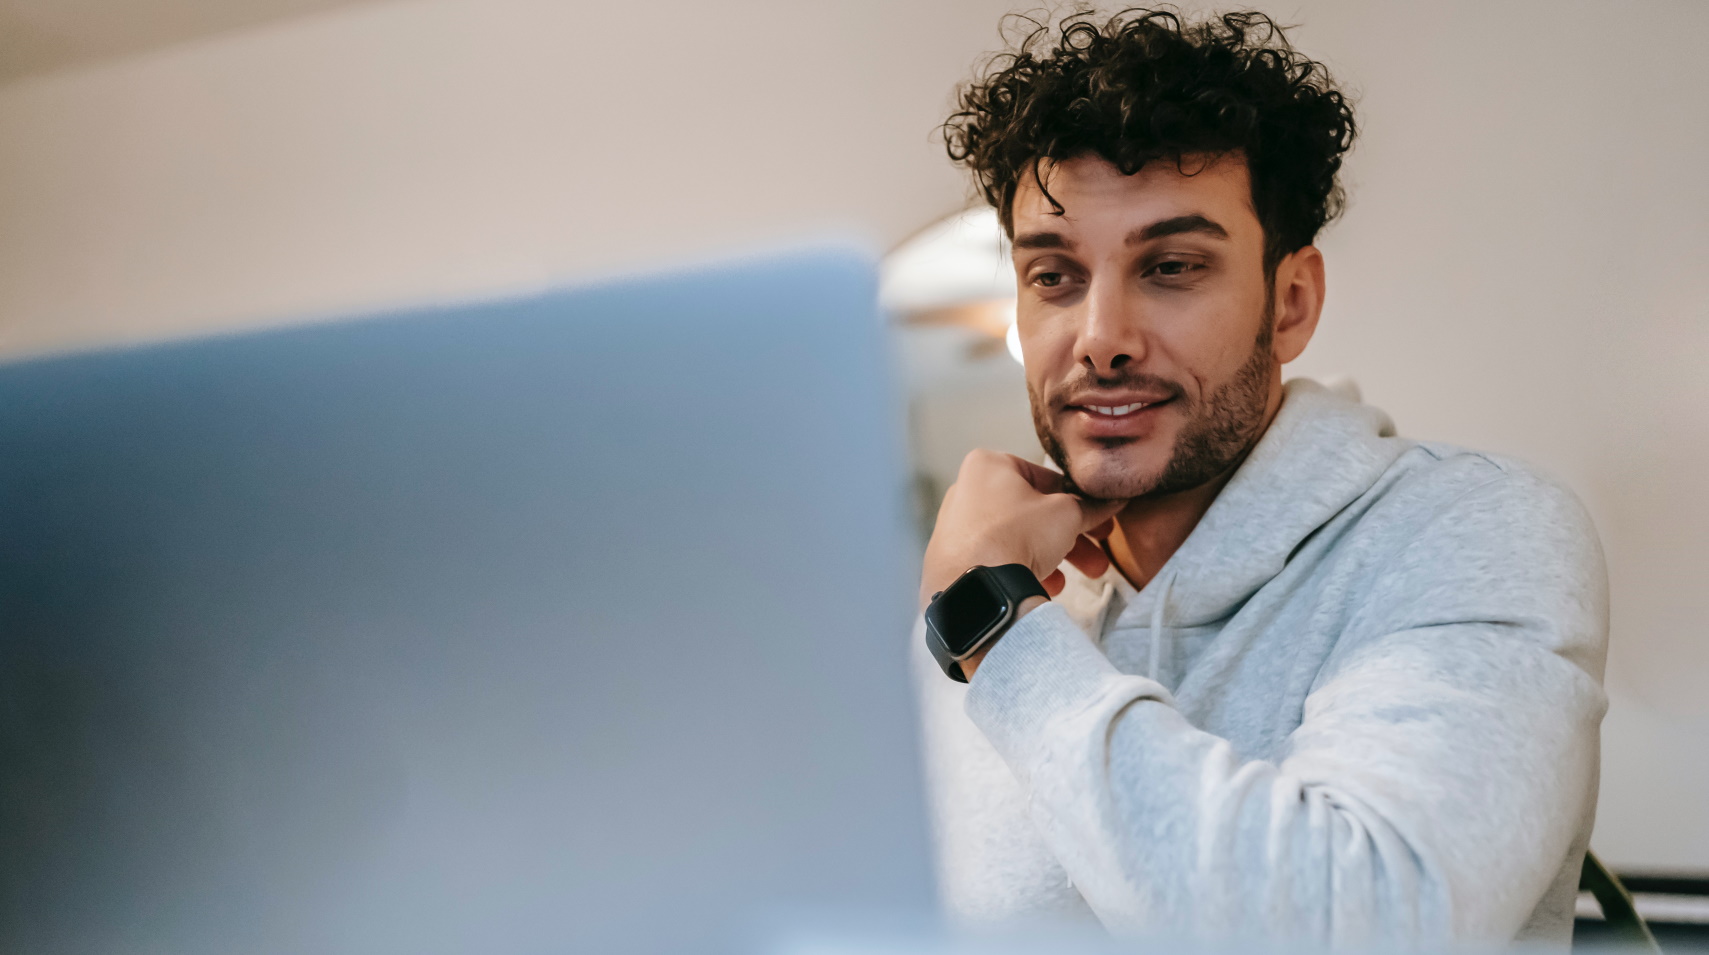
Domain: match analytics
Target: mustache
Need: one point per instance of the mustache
(1080, 386)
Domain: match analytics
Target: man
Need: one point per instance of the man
(1296, 677)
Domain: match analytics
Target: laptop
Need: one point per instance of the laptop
(573, 622)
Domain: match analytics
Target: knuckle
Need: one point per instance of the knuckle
(978, 458)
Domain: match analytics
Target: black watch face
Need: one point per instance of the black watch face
(966, 611)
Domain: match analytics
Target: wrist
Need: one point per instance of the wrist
(971, 664)
(974, 610)
(943, 571)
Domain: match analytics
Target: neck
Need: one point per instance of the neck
(1149, 530)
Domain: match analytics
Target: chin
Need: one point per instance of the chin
(1114, 475)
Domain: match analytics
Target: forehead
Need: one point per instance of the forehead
(1094, 193)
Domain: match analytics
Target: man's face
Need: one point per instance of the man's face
(1147, 322)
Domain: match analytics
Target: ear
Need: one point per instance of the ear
(1299, 301)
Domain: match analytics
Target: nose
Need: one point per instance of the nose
(1112, 333)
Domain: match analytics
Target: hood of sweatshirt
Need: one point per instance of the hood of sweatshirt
(1322, 452)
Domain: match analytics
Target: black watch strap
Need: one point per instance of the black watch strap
(1017, 583)
(951, 666)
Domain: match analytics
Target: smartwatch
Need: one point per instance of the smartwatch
(975, 610)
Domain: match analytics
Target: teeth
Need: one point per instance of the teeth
(1117, 409)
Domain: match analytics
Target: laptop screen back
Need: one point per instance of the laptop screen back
(528, 626)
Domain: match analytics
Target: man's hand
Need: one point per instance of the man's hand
(1006, 510)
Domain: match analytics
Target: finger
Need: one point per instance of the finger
(1054, 582)
(1093, 513)
(949, 495)
(1103, 530)
(1088, 558)
(1043, 479)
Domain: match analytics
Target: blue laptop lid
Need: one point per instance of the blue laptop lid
(530, 625)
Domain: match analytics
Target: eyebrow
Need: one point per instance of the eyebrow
(1176, 226)
(1163, 227)
(1040, 240)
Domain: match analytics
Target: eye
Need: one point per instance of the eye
(1181, 271)
(1051, 277)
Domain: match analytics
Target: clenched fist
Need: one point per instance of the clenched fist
(1007, 510)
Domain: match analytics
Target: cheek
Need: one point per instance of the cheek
(1212, 345)
(1046, 352)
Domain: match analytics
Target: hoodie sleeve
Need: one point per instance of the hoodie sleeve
(1445, 761)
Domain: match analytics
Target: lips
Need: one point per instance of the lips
(1116, 411)
(1117, 416)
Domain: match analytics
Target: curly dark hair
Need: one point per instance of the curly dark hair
(1146, 85)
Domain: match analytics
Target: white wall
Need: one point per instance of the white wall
(1525, 267)
(405, 150)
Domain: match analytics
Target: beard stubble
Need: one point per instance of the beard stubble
(1220, 429)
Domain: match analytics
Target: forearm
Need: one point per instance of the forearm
(1162, 825)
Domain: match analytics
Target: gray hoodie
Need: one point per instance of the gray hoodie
(1359, 704)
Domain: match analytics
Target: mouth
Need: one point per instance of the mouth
(1122, 416)
(1117, 411)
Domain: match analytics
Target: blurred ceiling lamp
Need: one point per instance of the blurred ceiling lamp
(956, 273)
